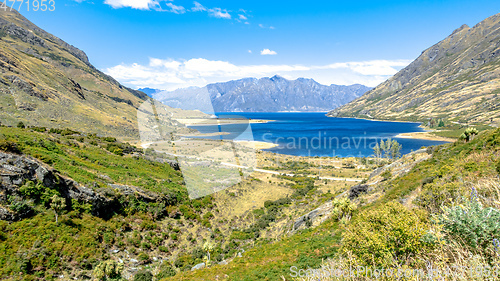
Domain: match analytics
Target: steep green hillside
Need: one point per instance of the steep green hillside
(457, 80)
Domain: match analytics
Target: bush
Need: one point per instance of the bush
(386, 174)
(39, 129)
(108, 269)
(342, 208)
(116, 149)
(55, 131)
(166, 270)
(143, 257)
(67, 132)
(434, 194)
(21, 125)
(385, 236)
(143, 275)
(471, 223)
(38, 192)
(9, 146)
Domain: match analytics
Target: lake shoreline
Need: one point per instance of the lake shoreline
(425, 135)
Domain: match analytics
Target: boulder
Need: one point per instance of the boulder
(198, 266)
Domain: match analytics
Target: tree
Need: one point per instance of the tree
(58, 204)
(441, 123)
(377, 152)
(395, 150)
(208, 247)
(386, 147)
(21, 125)
(469, 134)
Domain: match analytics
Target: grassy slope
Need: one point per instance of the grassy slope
(273, 259)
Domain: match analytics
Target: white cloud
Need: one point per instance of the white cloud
(214, 12)
(135, 4)
(173, 74)
(264, 26)
(268, 52)
(156, 5)
(249, 51)
(242, 17)
(176, 9)
(198, 7)
(219, 13)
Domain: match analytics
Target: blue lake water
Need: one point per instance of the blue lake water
(314, 134)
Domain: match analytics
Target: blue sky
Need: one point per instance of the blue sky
(175, 44)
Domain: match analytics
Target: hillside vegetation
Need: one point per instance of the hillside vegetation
(128, 208)
(441, 211)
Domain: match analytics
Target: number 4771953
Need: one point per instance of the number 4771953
(34, 5)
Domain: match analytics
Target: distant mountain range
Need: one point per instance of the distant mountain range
(457, 79)
(262, 95)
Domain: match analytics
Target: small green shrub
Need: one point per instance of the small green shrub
(143, 257)
(108, 269)
(143, 275)
(434, 194)
(21, 125)
(385, 236)
(166, 270)
(471, 223)
(116, 149)
(386, 174)
(39, 129)
(9, 146)
(38, 192)
(342, 208)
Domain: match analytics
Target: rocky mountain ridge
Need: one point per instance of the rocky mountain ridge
(457, 79)
(263, 95)
(45, 81)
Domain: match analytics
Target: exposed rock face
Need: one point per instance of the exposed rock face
(357, 190)
(263, 95)
(457, 78)
(15, 170)
(314, 217)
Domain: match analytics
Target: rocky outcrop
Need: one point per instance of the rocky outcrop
(314, 217)
(357, 190)
(15, 170)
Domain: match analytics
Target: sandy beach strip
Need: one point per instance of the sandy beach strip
(257, 144)
(424, 136)
(213, 122)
